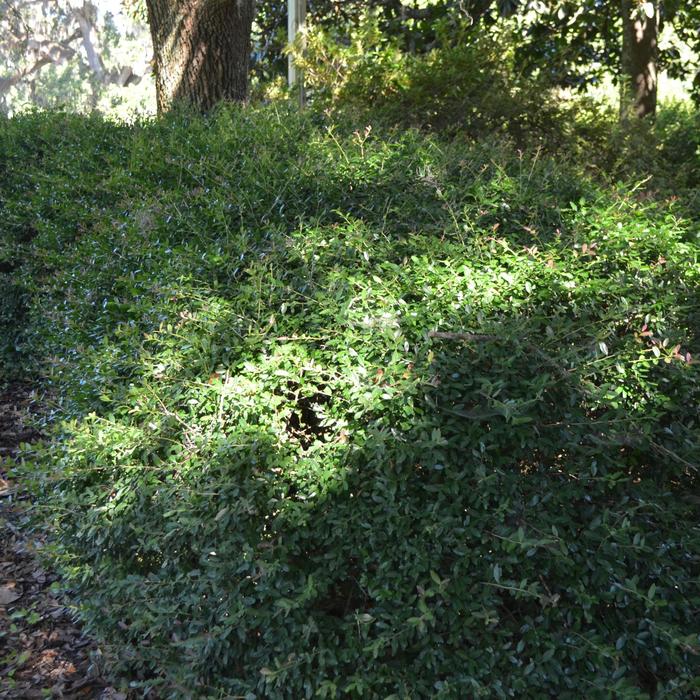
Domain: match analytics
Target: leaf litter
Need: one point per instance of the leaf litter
(43, 652)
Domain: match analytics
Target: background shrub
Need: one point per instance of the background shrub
(469, 83)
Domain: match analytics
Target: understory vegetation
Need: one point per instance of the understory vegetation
(363, 411)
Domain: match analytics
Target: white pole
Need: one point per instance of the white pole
(296, 19)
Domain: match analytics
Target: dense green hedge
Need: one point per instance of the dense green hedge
(359, 415)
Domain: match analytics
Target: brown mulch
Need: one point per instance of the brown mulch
(43, 653)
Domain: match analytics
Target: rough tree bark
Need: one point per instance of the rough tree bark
(639, 54)
(202, 50)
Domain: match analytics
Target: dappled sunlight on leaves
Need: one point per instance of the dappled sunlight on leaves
(383, 412)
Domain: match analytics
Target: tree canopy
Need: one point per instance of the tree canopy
(60, 52)
(51, 48)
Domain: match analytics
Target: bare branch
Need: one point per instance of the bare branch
(444, 335)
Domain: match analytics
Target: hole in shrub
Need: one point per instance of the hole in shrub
(304, 423)
(27, 234)
(344, 597)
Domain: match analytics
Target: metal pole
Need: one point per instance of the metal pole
(296, 20)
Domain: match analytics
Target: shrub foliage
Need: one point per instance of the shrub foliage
(358, 415)
(469, 81)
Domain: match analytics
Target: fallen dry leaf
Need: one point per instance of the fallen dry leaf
(9, 593)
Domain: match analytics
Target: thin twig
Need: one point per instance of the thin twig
(444, 335)
(669, 453)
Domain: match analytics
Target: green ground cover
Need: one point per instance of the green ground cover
(371, 414)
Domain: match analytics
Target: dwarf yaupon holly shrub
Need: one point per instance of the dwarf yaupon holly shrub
(360, 416)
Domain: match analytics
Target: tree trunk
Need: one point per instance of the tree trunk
(202, 50)
(638, 85)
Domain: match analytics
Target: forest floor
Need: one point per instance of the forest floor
(43, 652)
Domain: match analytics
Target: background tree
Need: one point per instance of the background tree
(74, 51)
(202, 50)
(60, 51)
(578, 44)
(640, 41)
(569, 43)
